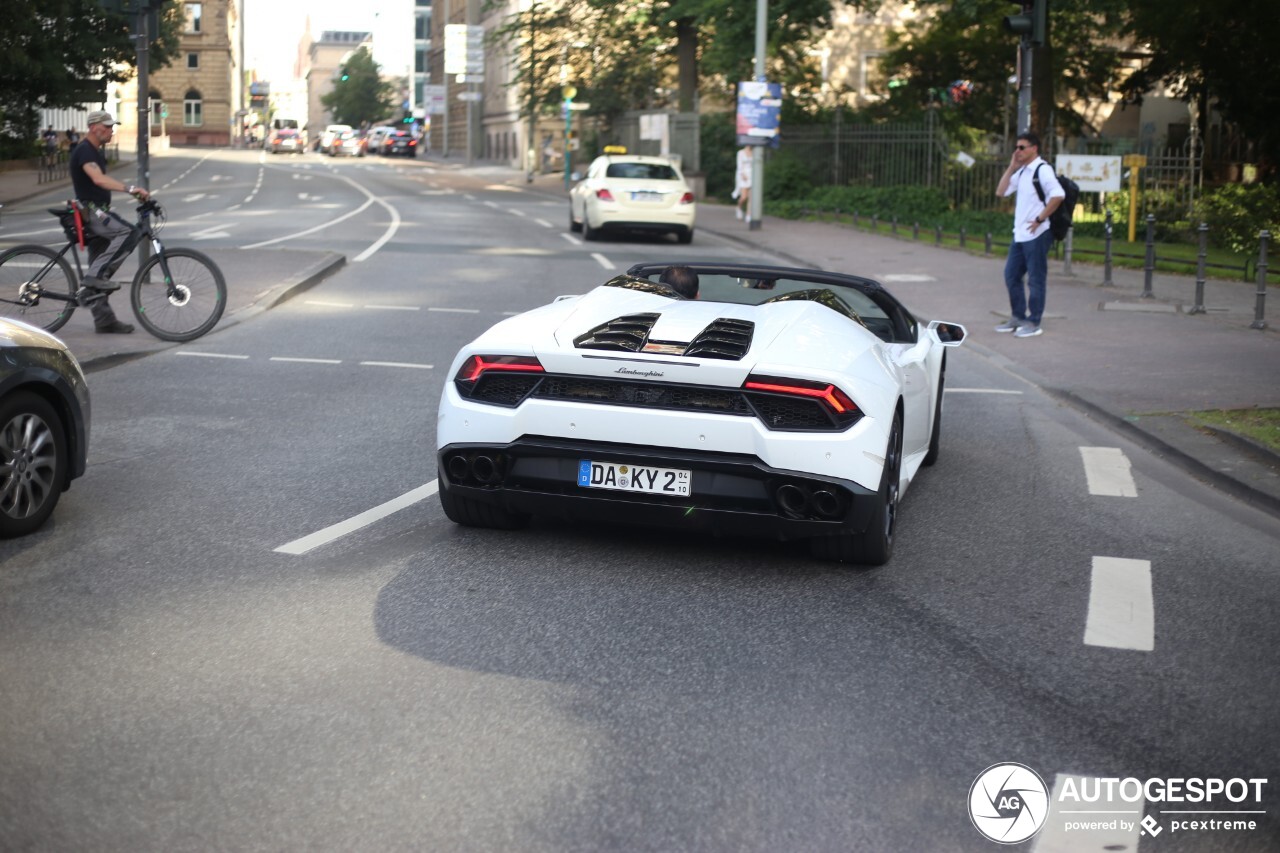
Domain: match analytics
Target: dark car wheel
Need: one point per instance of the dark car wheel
(588, 233)
(873, 547)
(575, 227)
(33, 462)
(469, 513)
(935, 437)
(685, 237)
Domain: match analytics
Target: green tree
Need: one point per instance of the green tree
(48, 56)
(965, 40)
(360, 96)
(1216, 54)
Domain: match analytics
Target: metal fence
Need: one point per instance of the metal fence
(920, 155)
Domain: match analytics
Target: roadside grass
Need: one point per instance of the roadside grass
(1260, 425)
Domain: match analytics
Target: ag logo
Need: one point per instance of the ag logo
(1008, 803)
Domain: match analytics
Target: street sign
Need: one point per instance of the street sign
(463, 49)
(470, 78)
(470, 96)
(759, 106)
(433, 95)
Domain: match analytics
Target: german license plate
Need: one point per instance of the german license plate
(634, 478)
(646, 195)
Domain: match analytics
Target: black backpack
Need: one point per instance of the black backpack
(1060, 219)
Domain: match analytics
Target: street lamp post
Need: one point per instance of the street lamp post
(756, 202)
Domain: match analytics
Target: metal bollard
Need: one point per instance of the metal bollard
(1106, 262)
(1066, 253)
(1150, 266)
(962, 235)
(895, 223)
(937, 236)
(987, 242)
(875, 221)
(855, 217)
(915, 231)
(1198, 308)
(1260, 310)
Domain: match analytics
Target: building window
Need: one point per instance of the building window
(420, 62)
(193, 60)
(871, 78)
(192, 109)
(195, 12)
(422, 26)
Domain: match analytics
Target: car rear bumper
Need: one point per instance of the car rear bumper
(729, 493)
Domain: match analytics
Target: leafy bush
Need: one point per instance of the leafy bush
(1236, 213)
(719, 153)
(786, 176)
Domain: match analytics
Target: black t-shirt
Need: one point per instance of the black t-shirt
(86, 190)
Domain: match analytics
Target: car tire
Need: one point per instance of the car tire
(588, 233)
(574, 226)
(33, 462)
(935, 436)
(685, 237)
(874, 546)
(470, 513)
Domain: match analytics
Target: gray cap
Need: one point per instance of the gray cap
(101, 117)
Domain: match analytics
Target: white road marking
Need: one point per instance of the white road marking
(209, 354)
(493, 204)
(544, 223)
(1056, 837)
(602, 261)
(329, 304)
(397, 364)
(192, 197)
(457, 310)
(1121, 610)
(394, 307)
(516, 212)
(211, 232)
(320, 227)
(307, 360)
(978, 391)
(356, 522)
(572, 239)
(1107, 471)
(387, 235)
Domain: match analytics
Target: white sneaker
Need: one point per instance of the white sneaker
(1010, 325)
(1029, 330)
(748, 218)
(738, 211)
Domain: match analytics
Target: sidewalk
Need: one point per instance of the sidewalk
(1134, 364)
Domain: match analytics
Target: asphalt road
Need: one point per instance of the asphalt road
(174, 680)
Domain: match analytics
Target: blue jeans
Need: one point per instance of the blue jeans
(1032, 260)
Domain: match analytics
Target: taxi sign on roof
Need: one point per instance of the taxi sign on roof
(615, 149)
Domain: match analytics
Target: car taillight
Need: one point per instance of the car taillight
(831, 397)
(412, 142)
(687, 198)
(478, 365)
(604, 195)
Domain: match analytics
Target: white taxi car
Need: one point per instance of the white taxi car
(631, 192)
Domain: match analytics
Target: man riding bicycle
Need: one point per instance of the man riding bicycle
(88, 167)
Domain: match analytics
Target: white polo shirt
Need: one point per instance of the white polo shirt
(1028, 205)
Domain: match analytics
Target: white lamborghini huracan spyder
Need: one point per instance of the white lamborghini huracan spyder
(790, 403)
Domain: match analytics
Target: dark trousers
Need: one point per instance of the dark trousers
(1030, 259)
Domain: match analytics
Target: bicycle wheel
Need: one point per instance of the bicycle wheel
(187, 307)
(19, 295)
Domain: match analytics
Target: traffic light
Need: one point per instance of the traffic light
(1032, 24)
(346, 76)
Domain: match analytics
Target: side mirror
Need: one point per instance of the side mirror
(575, 176)
(947, 334)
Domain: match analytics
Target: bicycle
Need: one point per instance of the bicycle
(176, 294)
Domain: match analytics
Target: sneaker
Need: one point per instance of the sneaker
(105, 285)
(1010, 325)
(738, 211)
(115, 327)
(1029, 330)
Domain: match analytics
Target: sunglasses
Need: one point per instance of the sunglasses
(1024, 147)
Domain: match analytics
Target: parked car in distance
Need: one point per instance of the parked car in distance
(286, 139)
(44, 425)
(400, 141)
(325, 145)
(376, 135)
(349, 143)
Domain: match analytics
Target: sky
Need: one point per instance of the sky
(274, 27)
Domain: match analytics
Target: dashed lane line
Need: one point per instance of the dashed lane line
(1113, 823)
(211, 354)
(356, 522)
(306, 360)
(1121, 610)
(456, 310)
(602, 261)
(397, 364)
(1107, 471)
(946, 390)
